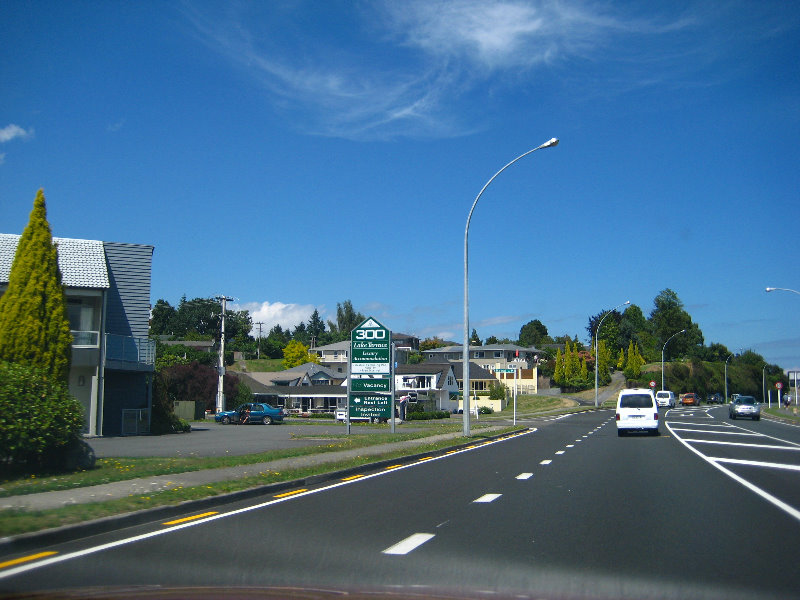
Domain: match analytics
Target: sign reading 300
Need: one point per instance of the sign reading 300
(370, 348)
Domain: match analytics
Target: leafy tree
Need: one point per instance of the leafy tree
(634, 362)
(558, 370)
(610, 329)
(162, 319)
(431, 343)
(497, 391)
(272, 346)
(39, 420)
(621, 359)
(491, 340)
(34, 324)
(347, 319)
(474, 339)
(533, 333)
(296, 353)
(316, 328)
(669, 317)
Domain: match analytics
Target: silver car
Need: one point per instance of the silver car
(745, 406)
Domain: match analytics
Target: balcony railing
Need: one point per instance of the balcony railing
(130, 349)
(86, 339)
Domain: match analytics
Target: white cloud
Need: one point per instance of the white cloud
(276, 313)
(424, 56)
(10, 132)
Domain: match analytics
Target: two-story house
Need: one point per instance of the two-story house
(335, 356)
(107, 288)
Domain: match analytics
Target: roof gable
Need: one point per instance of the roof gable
(82, 262)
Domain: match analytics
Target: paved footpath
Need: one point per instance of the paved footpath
(158, 483)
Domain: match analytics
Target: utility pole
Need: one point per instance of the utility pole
(221, 368)
(258, 351)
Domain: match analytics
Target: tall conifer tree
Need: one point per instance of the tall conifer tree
(34, 326)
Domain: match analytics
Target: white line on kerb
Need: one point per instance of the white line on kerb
(410, 543)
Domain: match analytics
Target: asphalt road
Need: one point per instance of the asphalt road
(567, 511)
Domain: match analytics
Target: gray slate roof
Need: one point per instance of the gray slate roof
(82, 262)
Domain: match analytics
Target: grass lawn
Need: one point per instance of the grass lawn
(15, 522)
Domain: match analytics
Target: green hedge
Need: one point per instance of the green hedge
(40, 423)
(426, 416)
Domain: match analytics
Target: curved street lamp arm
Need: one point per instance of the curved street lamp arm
(465, 374)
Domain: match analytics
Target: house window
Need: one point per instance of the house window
(498, 354)
(479, 354)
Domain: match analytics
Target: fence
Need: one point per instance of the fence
(135, 421)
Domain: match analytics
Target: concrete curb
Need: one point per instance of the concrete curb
(34, 540)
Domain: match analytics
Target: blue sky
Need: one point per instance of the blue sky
(297, 154)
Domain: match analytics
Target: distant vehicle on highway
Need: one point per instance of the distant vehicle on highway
(745, 406)
(252, 412)
(714, 399)
(665, 398)
(690, 399)
(637, 411)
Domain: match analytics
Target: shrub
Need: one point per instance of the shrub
(485, 410)
(427, 416)
(40, 423)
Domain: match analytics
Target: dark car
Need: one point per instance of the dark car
(745, 406)
(254, 412)
(714, 399)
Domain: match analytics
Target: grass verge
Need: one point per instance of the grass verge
(781, 413)
(15, 522)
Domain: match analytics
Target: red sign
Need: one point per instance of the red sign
(779, 385)
(653, 384)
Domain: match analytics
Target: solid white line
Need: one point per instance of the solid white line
(524, 476)
(410, 543)
(486, 498)
(137, 538)
(546, 462)
(756, 463)
(720, 432)
(790, 510)
(743, 445)
(560, 452)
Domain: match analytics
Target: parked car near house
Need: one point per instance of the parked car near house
(252, 412)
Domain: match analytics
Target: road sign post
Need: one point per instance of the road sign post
(370, 381)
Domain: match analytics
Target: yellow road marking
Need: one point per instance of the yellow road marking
(426, 458)
(394, 467)
(24, 559)
(290, 493)
(185, 519)
(351, 478)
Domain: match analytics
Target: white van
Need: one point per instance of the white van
(665, 398)
(637, 411)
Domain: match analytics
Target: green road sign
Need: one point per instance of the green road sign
(370, 349)
(382, 384)
(370, 406)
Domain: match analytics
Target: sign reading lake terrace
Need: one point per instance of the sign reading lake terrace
(370, 389)
(370, 349)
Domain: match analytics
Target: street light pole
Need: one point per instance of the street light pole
(662, 355)
(796, 386)
(597, 349)
(221, 369)
(465, 377)
(726, 377)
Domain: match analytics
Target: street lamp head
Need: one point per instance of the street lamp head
(549, 143)
(626, 302)
(769, 289)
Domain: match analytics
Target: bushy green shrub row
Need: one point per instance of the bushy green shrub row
(427, 415)
(40, 423)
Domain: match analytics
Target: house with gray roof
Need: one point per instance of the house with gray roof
(107, 288)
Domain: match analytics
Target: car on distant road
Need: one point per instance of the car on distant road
(252, 412)
(637, 411)
(745, 406)
(690, 399)
(714, 399)
(665, 398)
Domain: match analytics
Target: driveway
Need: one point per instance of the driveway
(213, 439)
